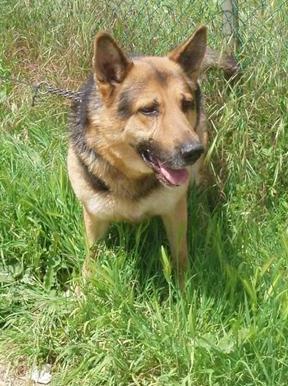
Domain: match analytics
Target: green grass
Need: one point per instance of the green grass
(131, 326)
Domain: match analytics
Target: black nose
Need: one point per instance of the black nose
(191, 152)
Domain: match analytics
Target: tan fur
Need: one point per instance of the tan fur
(114, 128)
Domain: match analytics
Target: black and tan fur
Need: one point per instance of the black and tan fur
(139, 129)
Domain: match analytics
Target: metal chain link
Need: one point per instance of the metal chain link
(43, 88)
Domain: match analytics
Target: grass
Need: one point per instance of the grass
(131, 326)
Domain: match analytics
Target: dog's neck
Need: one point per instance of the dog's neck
(107, 179)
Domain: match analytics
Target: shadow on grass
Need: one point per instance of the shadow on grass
(214, 258)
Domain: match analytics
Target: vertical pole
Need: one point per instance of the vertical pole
(230, 23)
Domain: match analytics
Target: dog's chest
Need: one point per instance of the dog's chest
(110, 208)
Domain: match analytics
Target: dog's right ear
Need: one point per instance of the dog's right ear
(110, 64)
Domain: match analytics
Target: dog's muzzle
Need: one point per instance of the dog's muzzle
(171, 169)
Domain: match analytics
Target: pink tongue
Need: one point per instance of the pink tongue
(174, 176)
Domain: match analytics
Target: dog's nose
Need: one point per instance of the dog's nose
(191, 152)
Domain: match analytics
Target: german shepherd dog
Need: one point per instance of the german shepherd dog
(138, 138)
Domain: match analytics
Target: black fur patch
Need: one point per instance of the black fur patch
(79, 116)
(125, 106)
(198, 103)
(146, 186)
(95, 182)
(160, 75)
(79, 120)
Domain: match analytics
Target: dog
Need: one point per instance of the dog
(138, 138)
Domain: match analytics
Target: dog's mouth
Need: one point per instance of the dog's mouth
(167, 176)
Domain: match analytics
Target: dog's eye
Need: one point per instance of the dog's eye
(187, 104)
(149, 110)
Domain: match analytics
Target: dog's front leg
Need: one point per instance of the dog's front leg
(175, 223)
(95, 230)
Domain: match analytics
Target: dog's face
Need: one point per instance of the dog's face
(150, 108)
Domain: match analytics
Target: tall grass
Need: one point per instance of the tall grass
(131, 326)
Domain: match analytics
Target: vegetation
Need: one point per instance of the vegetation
(131, 326)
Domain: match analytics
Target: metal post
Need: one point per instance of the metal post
(230, 23)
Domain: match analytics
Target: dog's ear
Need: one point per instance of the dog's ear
(190, 54)
(110, 64)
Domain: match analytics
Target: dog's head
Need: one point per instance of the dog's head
(150, 108)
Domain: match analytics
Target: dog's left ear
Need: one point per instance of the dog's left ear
(110, 64)
(190, 54)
